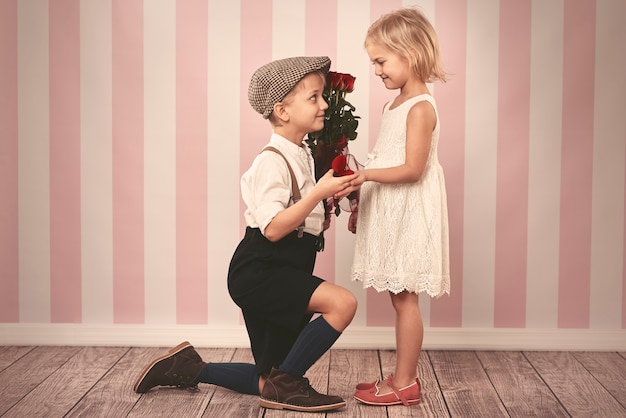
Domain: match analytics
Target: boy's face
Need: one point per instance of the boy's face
(390, 67)
(306, 105)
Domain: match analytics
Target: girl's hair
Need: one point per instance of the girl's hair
(408, 33)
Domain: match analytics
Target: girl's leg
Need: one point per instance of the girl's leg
(337, 306)
(409, 337)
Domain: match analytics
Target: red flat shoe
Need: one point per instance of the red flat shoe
(365, 386)
(408, 395)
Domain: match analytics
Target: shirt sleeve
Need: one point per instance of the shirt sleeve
(266, 189)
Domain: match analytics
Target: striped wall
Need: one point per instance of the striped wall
(124, 128)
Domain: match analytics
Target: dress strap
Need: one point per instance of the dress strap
(295, 190)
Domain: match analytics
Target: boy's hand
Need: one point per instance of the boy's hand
(337, 187)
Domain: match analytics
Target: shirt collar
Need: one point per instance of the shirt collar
(283, 144)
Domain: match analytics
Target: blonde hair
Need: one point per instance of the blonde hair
(408, 33)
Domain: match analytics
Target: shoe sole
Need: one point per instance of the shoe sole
(398, 402)
(178, 348)
(265, 403)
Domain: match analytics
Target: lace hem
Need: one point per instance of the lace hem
(433, 286)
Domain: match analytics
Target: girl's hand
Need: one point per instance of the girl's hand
(356, 182)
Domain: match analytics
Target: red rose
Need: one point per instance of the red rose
(333, 80)
(348, 81)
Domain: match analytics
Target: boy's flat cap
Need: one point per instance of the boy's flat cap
(271, 83)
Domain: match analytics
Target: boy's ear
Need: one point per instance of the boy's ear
(280, 112)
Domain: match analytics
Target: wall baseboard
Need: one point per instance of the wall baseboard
(353, 338)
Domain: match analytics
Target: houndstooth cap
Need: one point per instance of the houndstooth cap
(271, 83)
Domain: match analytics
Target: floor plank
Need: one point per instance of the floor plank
(579, 392)
(8, 355)
(609, 369)
(113, 395)
(98, 381)
(60, 391)
(465, 386)
(520, 388)
(29, 371)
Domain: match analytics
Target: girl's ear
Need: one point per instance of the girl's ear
(281, 112)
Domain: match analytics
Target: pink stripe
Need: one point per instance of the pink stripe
(255, 50)
(451, 26)
(128, 137)
(576, 164)
(9, 270)
(321, 39)
(512, 165)
(191, 162)
(379, 310)
(624, 256)
(65, 225)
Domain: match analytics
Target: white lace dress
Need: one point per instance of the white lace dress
(402, 229)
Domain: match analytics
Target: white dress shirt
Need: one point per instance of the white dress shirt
(266, 185)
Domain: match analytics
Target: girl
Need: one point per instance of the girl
(402, 222)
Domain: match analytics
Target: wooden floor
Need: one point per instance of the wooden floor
(97, 382)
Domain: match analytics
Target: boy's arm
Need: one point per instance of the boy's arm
(289, 219)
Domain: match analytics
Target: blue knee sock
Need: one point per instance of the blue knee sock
(314, 340)
(240, 377)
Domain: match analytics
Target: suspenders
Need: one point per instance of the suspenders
(295, 190)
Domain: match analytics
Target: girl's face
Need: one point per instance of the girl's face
(306, 105)
(393, 69)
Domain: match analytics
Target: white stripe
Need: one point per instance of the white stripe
(481, 137)
(351, 58)
(546, 85)
(427, 6)
(288, 28)
(223, 156)
(96, 162)
(33, 161)
(160, 161)
(607, 229)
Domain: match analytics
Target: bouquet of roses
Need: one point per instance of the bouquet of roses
(329, 146)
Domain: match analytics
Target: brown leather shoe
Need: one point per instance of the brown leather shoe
(284, 391)
(179, 367)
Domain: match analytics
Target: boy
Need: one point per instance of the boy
(270, 275)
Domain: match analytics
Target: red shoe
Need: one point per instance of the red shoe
(365, 386)
(409, 395)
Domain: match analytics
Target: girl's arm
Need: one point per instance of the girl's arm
(286, 221)
(420, 123)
